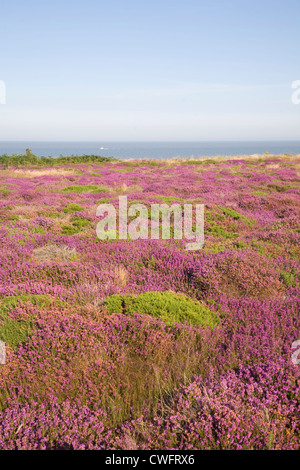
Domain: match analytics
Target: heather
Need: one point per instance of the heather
(141, 344)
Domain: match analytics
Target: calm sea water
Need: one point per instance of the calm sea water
(157, 150)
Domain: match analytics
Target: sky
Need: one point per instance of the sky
(149, 70)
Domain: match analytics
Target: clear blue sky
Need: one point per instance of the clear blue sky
(149, 70)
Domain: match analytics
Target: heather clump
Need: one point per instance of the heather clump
(243, 273)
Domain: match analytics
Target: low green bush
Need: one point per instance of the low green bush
(80, 222)
(13, 331)
(4, 192)
(278, 188)
(70, 229)
(84, 188)
(288, 279)
(218, 231)
(14, 301)
(30, 159)
(234, 214)
(169, 307)
(72, 207)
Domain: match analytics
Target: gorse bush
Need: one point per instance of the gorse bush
(14, 331)
(169, 307)
(72, 207)
(78, 223)
(84, 188)
(288, 279)
(218, 231)
(13, 301)
(4, 192)
(30, 159)
(233, 214)
(70, 229)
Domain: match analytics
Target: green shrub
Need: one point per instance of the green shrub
(84, 188)
(169, 307)
(13, 217)
(38, 230)
(70, 229)
(288, 279)
(80, 222)
(72, 207)
(234, 214)
(240, 244)
(278, 188)
(259, 193)
(30, 159)
(12, 331)
(104, 200)
(218, 231)
(169, 199)
(217, 249)
(124, 170)
(259, 246)
(14, 301)
(4, 192)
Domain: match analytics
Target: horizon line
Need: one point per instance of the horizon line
(151, 141)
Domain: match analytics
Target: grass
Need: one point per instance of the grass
(233, 214)
(278, 188)
(54, 252)
(84, 188)
(169, 199)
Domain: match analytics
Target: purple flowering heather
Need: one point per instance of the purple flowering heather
(78, 376)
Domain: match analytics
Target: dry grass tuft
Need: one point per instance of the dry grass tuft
(120, 275)
(124, 189)
(54, 253)
(32, 173)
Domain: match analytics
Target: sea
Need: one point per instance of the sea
(152, 150)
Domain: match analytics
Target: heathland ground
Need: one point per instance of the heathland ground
(141, 344)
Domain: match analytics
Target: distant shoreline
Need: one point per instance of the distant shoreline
(153, 150)
(31, 162)
(221, 158)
